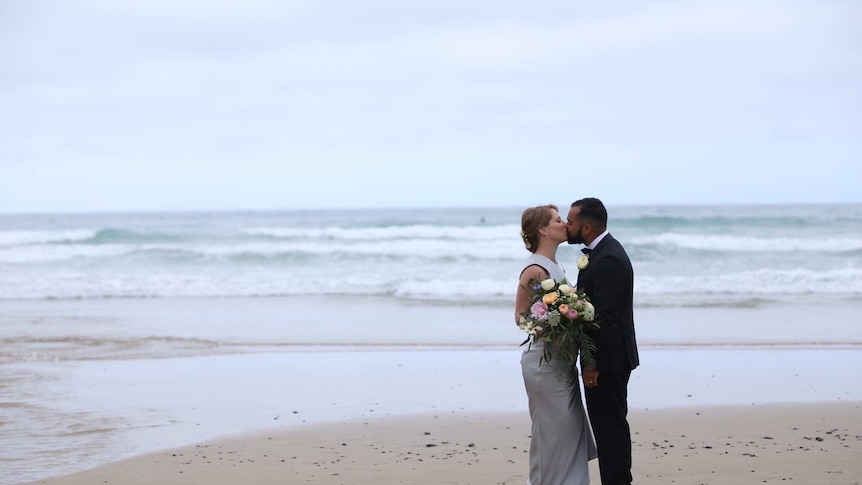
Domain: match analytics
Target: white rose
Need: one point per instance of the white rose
(548, 284)
(589, 312)
(583, 262)
(566, 289)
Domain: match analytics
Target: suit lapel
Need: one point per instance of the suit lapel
(582, 274)
(602, 244)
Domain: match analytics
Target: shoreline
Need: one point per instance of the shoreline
(87, 413)
(91, 382)
(773, 443)
(75, 330)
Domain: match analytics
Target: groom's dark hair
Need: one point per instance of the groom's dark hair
(592, 210)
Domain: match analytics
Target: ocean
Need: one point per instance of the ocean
(728, 255)
(127, 333)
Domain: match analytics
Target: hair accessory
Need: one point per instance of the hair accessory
(526, 241)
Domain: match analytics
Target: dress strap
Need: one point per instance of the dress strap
(555, 270)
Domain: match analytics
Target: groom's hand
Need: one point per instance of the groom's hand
(591, 377)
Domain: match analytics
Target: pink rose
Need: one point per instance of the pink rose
(572, 314)
(539, 311)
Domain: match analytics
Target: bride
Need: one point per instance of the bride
(562, 441)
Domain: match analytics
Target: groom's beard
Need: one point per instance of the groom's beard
(576, 238)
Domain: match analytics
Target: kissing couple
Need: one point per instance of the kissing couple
(565, 436)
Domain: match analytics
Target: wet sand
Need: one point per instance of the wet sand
(94, 383)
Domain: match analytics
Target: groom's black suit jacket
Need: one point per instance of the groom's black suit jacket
(608, 281)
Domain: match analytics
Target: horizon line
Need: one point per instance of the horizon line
(396, 208)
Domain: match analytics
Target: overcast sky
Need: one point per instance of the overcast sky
(278, 104)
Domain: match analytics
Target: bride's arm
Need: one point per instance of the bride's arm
(524, 295)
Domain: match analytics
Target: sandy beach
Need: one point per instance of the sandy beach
(103, 405)
(778, 443)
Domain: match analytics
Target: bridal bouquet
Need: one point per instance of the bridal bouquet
(559, 316)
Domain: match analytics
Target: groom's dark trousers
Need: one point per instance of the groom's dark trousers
(608, 280)
(607, 407)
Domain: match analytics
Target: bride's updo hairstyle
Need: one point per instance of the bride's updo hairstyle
(533, 219)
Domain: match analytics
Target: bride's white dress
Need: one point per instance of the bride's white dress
(562, 441)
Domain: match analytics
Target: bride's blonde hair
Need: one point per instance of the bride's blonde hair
(533, 219)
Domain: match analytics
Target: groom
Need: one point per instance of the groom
(608, 281)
